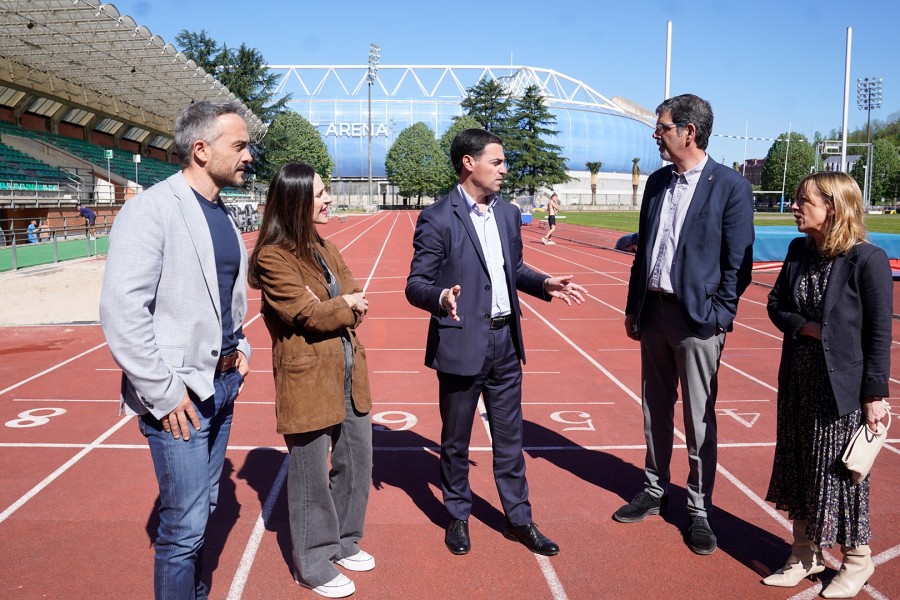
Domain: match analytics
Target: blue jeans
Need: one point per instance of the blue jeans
(186, 498)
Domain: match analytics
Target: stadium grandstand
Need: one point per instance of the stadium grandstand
(590, 126)
(88, 101)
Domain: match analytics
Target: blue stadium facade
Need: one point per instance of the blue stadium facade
(335, 99)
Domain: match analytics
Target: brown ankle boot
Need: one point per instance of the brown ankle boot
(855, 571)
(805, 560)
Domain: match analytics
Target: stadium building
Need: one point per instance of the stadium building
(590, 126)
(88, 101)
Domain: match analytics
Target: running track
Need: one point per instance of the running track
(77, 491)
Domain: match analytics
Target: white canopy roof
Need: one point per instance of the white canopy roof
(86, 55)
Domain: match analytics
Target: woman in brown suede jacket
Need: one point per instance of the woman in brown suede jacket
(311, 306)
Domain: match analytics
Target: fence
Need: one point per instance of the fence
(55, 238)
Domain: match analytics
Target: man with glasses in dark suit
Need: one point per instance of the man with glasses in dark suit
(693, 262)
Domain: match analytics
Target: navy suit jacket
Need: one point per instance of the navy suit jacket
(714, 258)
(856, 320)
(447, 252)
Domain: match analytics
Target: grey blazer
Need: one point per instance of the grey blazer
(159, 307)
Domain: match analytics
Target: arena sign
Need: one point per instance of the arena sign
(354, 130)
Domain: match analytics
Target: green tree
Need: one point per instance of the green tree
(243, 71)
(415, 162)
(460, 123)
(533, 161)
(593, 167)
(886, 164)
(800, 159)
(489, 103)
(292, 138)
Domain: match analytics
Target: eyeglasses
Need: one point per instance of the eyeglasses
(661, 127)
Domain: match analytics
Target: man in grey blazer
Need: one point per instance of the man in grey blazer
(467, 270)
(173, 303)
(693, 262)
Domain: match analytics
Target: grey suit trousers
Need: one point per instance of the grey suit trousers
(670, 355)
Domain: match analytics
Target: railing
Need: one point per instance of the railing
(47, 243)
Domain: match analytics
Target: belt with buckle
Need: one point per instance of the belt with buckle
(227, 362)
(664, 296)
(499, 322)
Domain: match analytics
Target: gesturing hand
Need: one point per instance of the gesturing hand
(562, 287)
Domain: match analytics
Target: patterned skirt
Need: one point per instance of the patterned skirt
(809, 481)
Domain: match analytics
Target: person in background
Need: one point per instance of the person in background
(466, 271)
(693, 261)
(312, 306)
(172, 306)
(552, 211)
(89, 218)
(833, 301)
(32, 231)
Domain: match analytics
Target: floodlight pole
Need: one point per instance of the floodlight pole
(374, 55)
(843, 168)
(868, 96)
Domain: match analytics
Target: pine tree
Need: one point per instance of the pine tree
(533, 161)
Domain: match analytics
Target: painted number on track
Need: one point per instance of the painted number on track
(585, 424)
(745, 419)
(408, 420)
(35, 417)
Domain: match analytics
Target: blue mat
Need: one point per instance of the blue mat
(772, 243)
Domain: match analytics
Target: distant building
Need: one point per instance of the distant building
(752, 170)
(833, 163)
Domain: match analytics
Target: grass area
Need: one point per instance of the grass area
(627, 221)
(30, 255)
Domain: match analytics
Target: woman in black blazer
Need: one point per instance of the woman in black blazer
(833, 300)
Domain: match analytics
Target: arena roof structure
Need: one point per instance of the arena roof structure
(88, 57)
(449, 82)
(334, 98)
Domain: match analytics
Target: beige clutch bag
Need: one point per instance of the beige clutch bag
(864, 447)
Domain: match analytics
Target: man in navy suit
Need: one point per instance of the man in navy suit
(465, 271)
(693, 262)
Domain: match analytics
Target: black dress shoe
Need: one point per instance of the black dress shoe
(457, 537)
(700, 537)
(641, 507)
(531, 538)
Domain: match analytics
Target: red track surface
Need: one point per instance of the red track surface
(77, 490)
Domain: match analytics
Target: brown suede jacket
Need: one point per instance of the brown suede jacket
(306, 327)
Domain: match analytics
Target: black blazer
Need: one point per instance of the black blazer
(856, 321)
(447, 252)
(714, 257)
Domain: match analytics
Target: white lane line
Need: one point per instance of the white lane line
(259, 529)
(51, 369)
(58, 400)
(235, 448)
(65, 467)
(380, 253)
(553, 583)
(750, 377)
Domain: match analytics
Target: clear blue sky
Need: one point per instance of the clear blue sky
(763, 64)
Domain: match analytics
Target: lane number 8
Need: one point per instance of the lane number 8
(32, 418)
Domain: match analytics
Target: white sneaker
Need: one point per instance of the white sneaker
(339, 587)
(550, 243)
(361, 561)
(544, 241)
